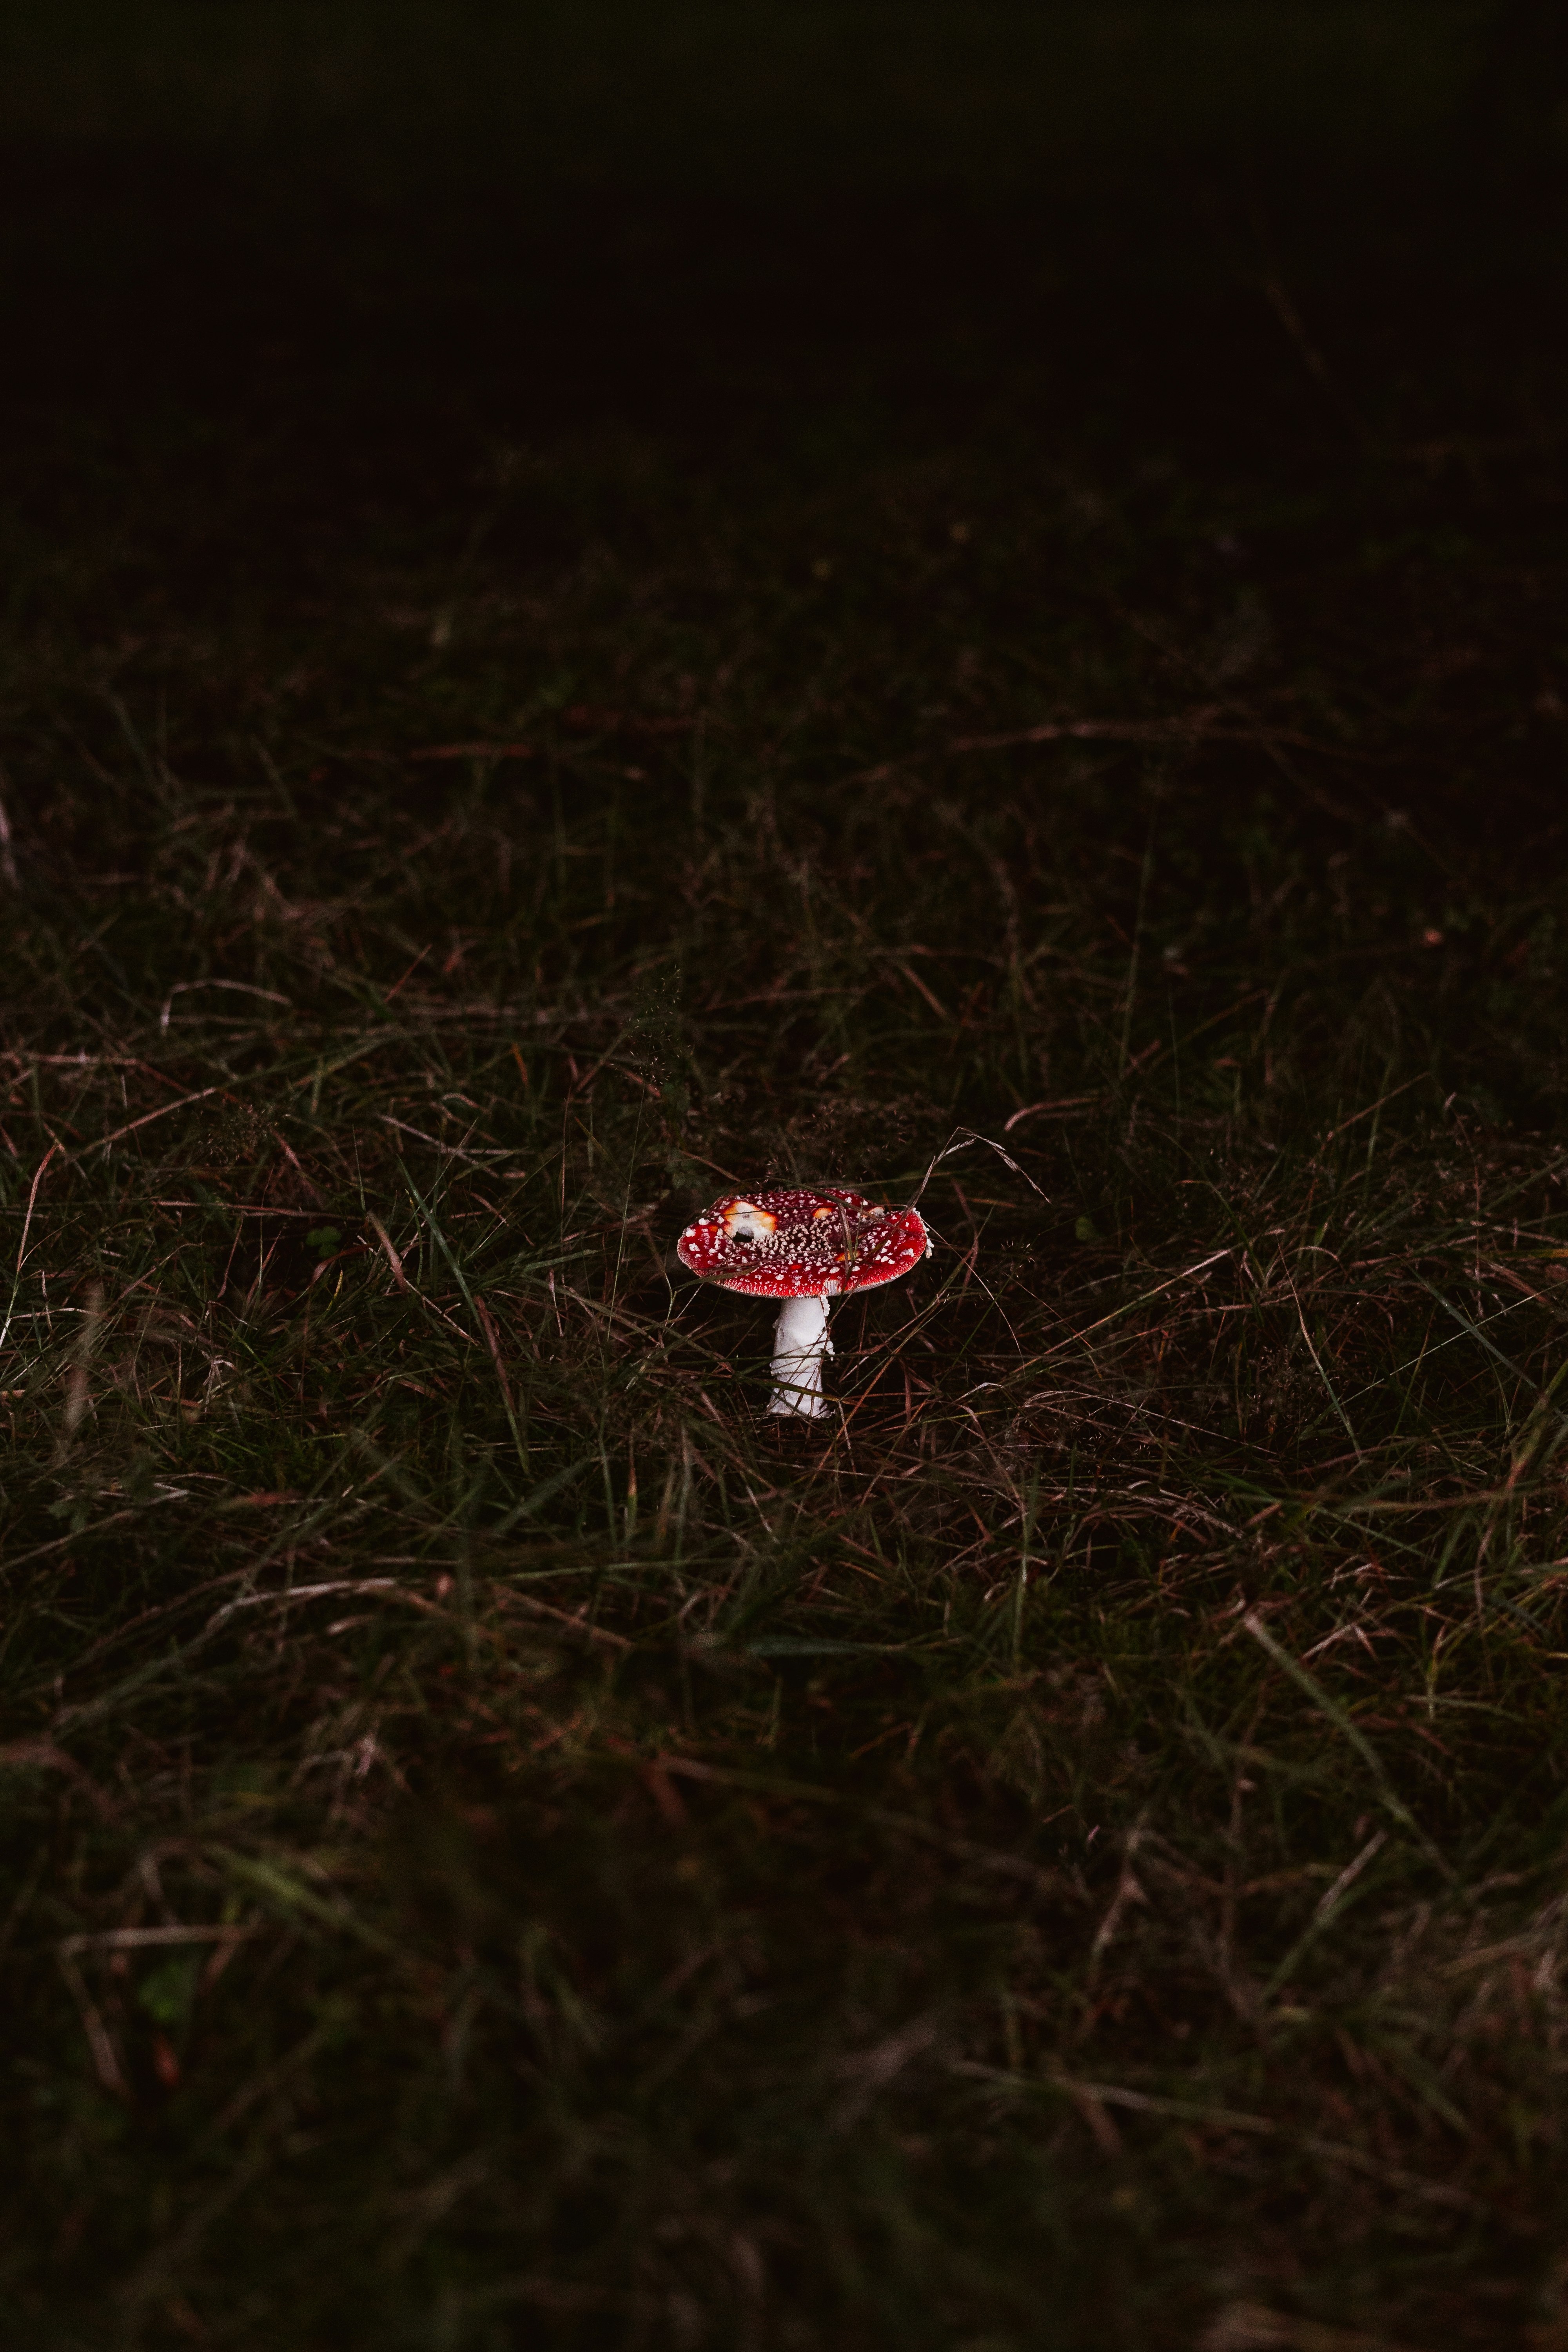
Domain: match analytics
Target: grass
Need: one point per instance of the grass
(501, 1843)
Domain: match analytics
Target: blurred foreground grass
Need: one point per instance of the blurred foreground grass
(501, 1845)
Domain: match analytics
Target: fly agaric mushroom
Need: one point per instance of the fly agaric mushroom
(806, 1249)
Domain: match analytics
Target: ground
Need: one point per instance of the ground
(501, 1842)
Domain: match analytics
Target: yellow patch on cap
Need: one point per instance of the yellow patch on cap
(745, 1215)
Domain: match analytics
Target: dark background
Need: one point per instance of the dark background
(289, 288)
(450, 221)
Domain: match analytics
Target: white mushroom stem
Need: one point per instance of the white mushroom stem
(800, 1343)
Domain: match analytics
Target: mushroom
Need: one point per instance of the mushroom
(806, 1249)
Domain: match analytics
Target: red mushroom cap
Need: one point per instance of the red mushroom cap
(801, 1245)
